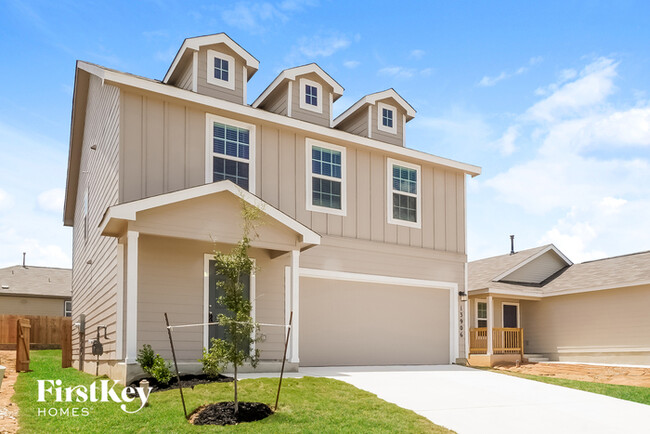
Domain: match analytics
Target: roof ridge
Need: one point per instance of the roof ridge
(615, 257)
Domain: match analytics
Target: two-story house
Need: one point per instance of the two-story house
(363, 238)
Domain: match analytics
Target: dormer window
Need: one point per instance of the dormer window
(221, 69)
(311, 95)
(386, 118)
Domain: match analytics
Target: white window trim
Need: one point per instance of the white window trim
(509, 303)
(65, 309)
(230, 84)
(487, 312)
(380, 120)
(207, 257)
(417, 224)
(308, 178)
(209, 135)
(319, 98)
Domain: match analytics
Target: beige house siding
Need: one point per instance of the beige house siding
(277, 100)
(94, 279)
(357, 123)
(171, 279)
(16, 305)
(164, 150)
(395, 139)
(337, 328)
(185, 76)
(307, 115)
(205, 88)
(575, 327)
(538, 270)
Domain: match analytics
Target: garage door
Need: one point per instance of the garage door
(353, 323)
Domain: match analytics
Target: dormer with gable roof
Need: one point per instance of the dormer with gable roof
(304, 92)
(213, 65)
(381, 116)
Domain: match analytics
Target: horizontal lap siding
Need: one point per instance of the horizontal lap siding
(185, 78)
(16, 305)
(94, 282)
(203, 87)
(308, 115)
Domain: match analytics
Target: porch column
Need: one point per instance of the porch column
(131, 296)
(490, 324)
(119, 302)
(295, 303)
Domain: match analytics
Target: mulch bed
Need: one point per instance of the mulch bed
(223, 413)
(188, 381)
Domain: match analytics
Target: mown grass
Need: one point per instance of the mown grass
(306, 405)
(629, 393)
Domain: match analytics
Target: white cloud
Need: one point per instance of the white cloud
(253, 17)
(52, 200)
(417, 53)
(596, 198)
(403, 72)
(351, 64)
(6, 201)
(488, 81)
(322, 46)
(506, 144)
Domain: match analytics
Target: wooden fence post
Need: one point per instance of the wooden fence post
(66, 344)
(22, 345)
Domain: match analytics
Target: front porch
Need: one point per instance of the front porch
(489, 346)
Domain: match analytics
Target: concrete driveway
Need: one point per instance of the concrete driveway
(473, 401)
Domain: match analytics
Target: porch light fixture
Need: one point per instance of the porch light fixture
(462, 295)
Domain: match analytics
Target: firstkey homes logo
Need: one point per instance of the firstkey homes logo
(53, 391)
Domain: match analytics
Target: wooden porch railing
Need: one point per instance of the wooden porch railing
(504, 340)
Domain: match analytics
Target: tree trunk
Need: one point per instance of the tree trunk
(236, 399)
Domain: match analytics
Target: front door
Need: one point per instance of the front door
(510, 316)
(214, 308)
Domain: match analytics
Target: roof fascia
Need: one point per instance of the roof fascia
(372, 99)
(121, 78)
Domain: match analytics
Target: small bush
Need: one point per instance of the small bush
(214, 360)
(161, 370)
(146, 357)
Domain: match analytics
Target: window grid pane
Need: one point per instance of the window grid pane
(482, 310)
(311, 95)
(404, 207)
(231, 141)
(235, 171)
(326, 162)
(326, 193)
(221, 69)
(405, 179)
(387, 118)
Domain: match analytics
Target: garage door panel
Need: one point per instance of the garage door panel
(352, 323)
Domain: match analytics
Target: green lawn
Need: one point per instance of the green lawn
(629, 393)
(306, 405)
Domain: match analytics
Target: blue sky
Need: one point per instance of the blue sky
(550, 98)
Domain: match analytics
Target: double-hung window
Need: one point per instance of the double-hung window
(481, 314)
(220, 69)
(386, 118)
(311, 95)
(404, 192)
(230, 152)
(67, 308)
(325, 178)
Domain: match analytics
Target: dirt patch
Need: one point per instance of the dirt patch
(187, 381)
(597, 374)
(8, 410)
(223, 413)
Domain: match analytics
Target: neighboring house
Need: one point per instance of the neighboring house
(363, 239)
(596, 311)
(29, 290)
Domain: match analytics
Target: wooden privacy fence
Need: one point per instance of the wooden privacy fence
(46, 332)
(504, 340)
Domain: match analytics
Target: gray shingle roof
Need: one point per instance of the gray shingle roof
(618, 271)
(36, 281)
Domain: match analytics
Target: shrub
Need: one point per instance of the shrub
(146, 357)
(214, 359)
(161, 370)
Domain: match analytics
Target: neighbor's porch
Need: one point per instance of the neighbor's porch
(495, 333)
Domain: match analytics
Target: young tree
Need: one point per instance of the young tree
(240, 329)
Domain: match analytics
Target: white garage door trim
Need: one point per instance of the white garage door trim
(400, 281)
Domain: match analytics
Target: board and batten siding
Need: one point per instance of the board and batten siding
(171, 279)
(537, 270)
(203, 87)
(163, 144)
(94, 277)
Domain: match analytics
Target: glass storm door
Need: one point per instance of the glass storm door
(510, 316)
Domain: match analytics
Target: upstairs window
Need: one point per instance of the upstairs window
(386, 118)
(230, 151)
(325, 178)
(404, 194)
(221, 69)
(311, 95)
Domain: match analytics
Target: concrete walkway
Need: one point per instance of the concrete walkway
(473, 401)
